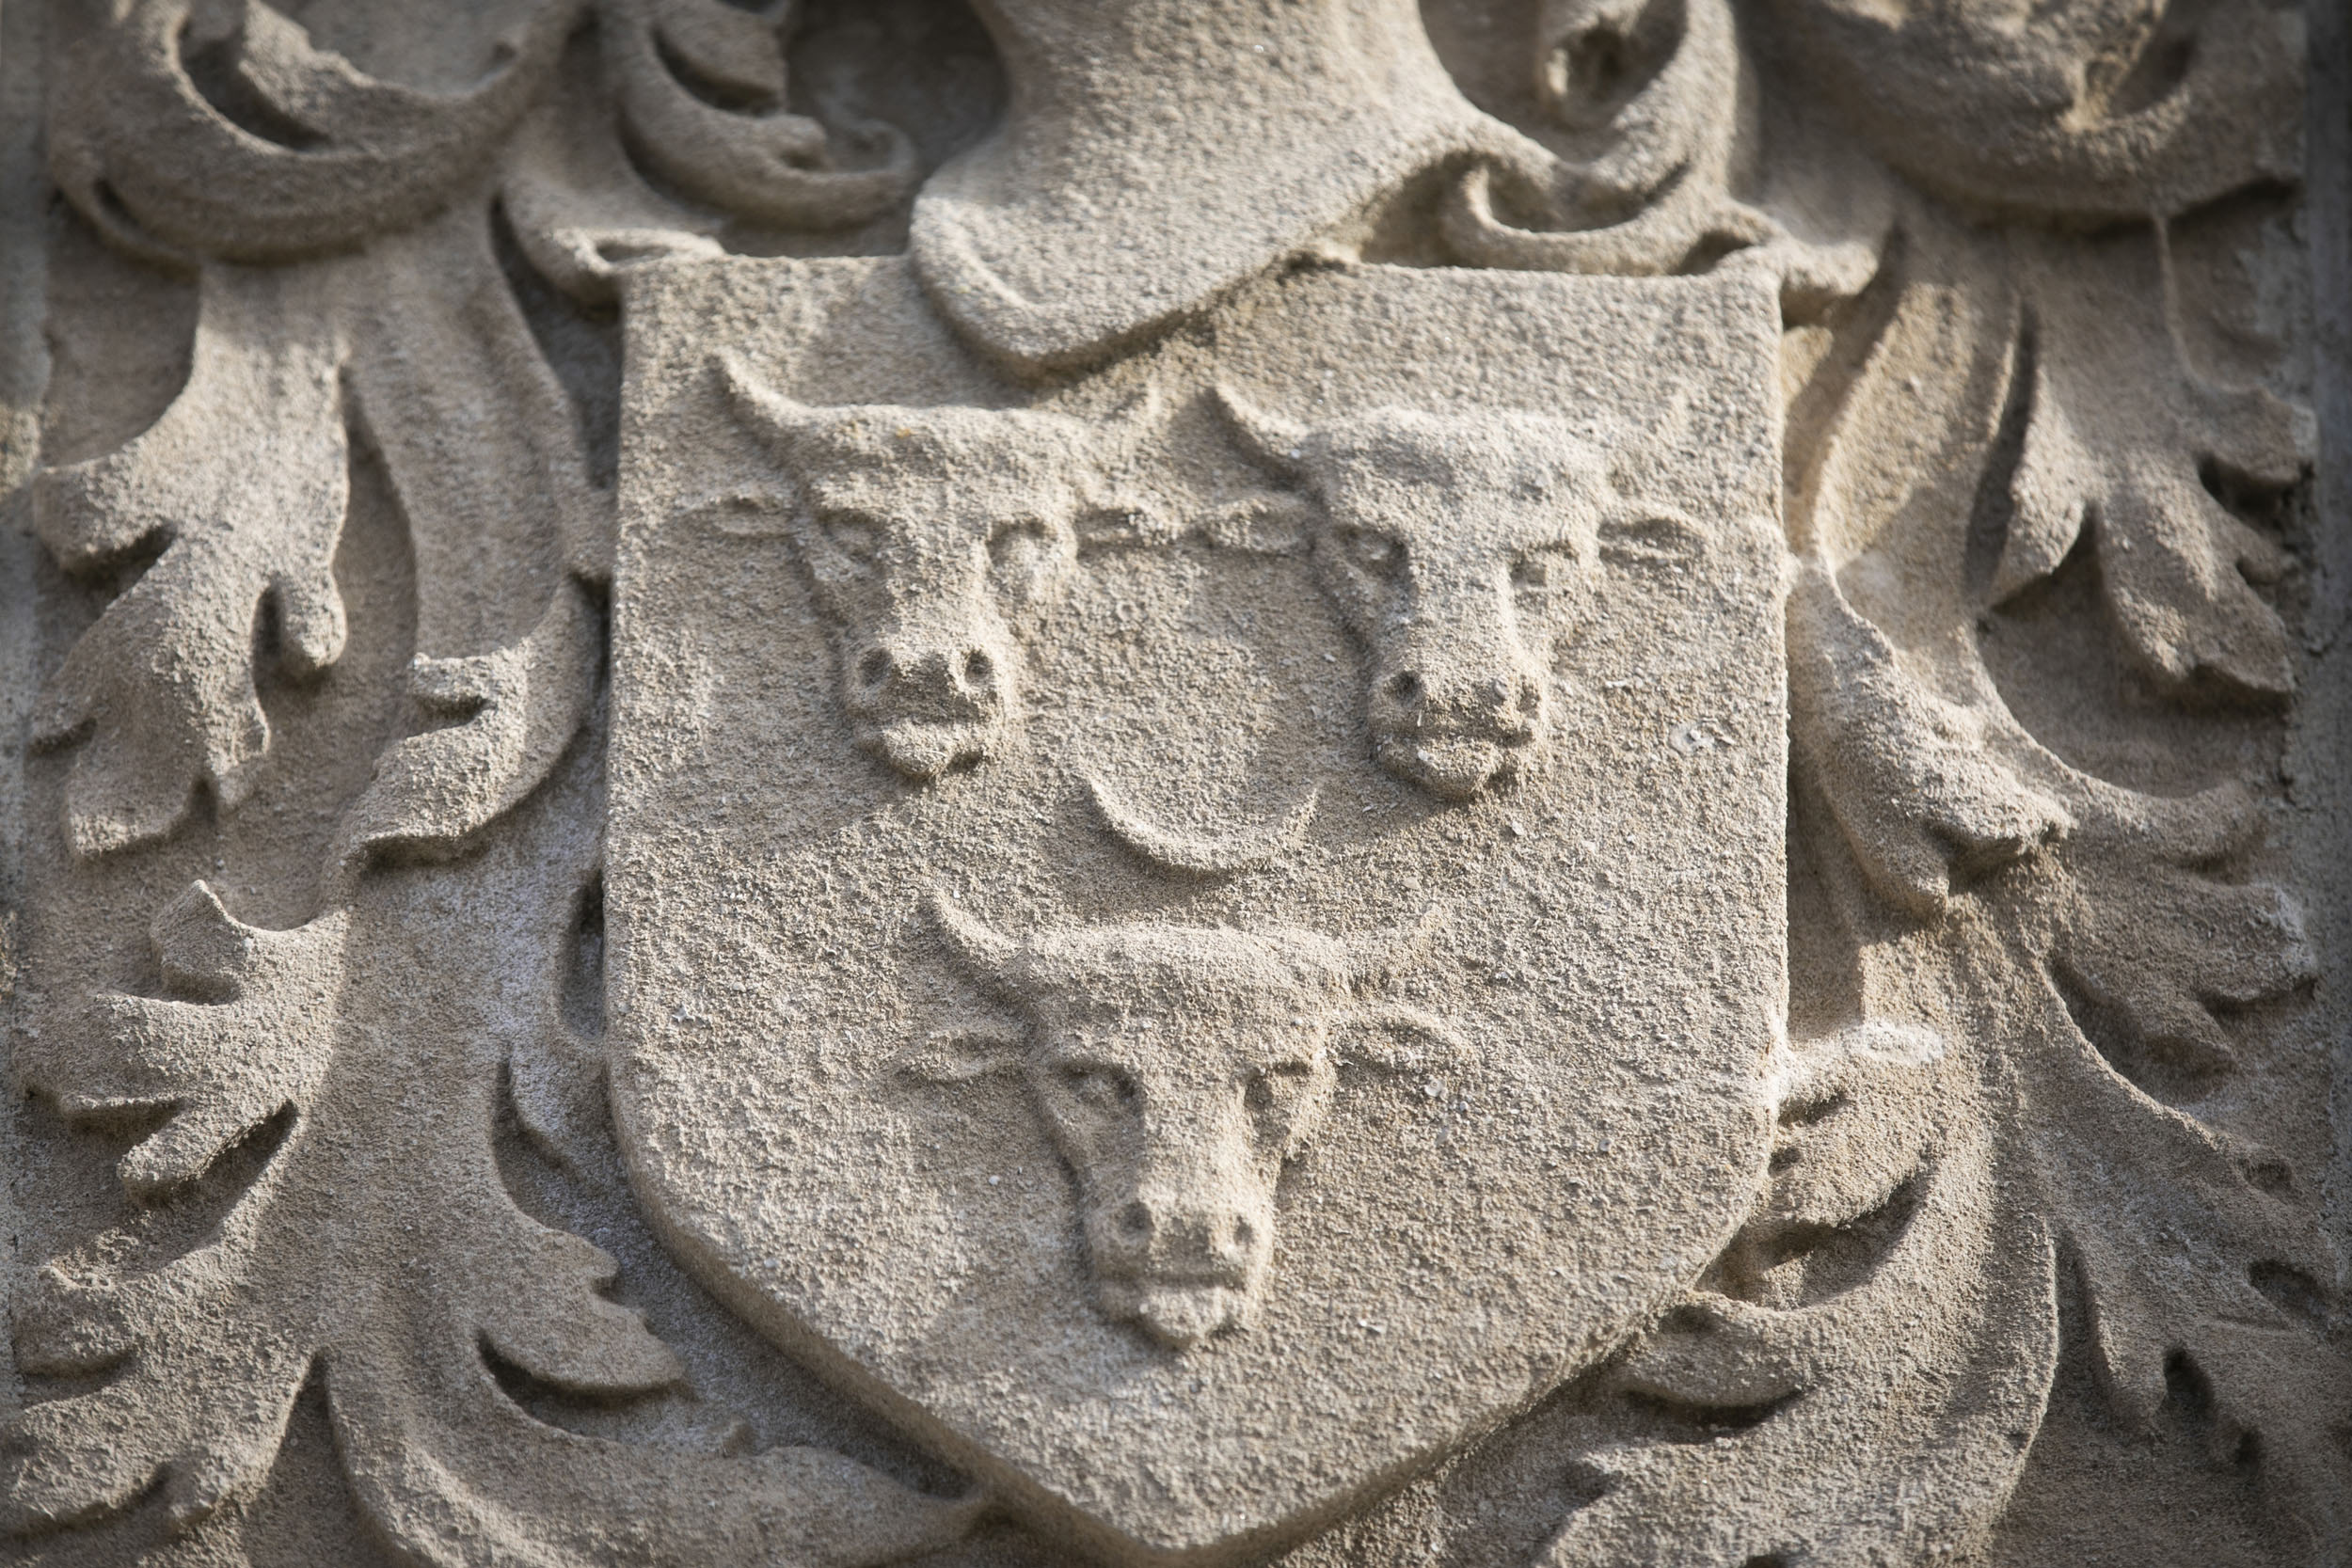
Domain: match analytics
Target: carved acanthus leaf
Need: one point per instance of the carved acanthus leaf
(2164, 986)
(2218, 1276)
(2125, 441)
(1852, 1127)
(398, 1276)
(580, 211)
(1660, 189)
(260, 1041)
(257, 1044)
(430, 1475)
(1830, 1335)
(247, 477)
(484, 448)
(1661, 194)
(510, 714)
(1925, 805)
(2111, 964)
(74, 1460)
(1933, 780)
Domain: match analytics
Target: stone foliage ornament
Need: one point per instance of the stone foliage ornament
(1540, 781)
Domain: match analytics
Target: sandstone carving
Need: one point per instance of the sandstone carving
(314, 155)
(1351, 783)
(1203, 854)
(1432, 529)
(1178, 1069)
(2089, 111)
(932, 537)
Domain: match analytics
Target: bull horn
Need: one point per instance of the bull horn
(1117, 511)
(1395, 1036)
(763, 409)
(1272, 440)
(981, 951)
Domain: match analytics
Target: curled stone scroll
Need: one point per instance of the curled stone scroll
(1008, 781)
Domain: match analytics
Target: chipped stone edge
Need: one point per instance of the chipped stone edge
(2320, 747)
(23, 379)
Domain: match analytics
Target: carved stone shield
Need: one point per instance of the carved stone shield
(1202, 934)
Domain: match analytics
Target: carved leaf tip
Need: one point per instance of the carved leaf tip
(772, 166)
(2218, 1294)
(864, 1518)
(166, 175)
(493, 1479)
(67, 1328)
(553, 1321)
(515, 710)
(1856, 1118)
(161, 692)
(75, 1460)
(1809, 1380)
(2124, 442)
(1922, 805)
(257, 1041)
(2160, 945)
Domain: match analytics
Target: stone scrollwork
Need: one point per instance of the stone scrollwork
(2077, 114)
(776, 166)
(292, 152)
(2033, 622)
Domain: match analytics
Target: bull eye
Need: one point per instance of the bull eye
(1105, 1089)
(1370, 550)
(853, 533)
(1019, 547)
(1277, 1087)
(1539, 570)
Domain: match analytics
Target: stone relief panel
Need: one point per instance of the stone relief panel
(1493, 782)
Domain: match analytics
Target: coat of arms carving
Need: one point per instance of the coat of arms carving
(1198, 782)
(1197, 844)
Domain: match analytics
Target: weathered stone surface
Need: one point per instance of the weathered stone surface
(1500, 782)
(1327, 1165)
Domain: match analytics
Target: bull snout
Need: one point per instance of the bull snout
(1182, 1263)
(927, 705)
(1453, 715)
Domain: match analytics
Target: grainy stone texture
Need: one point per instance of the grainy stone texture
(1199, 782)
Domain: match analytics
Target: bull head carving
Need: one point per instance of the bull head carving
(1449, 543)
(933, 537)
(1177, 1070)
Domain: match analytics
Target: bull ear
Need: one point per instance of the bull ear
(1264, 522)
(1632, 534)
(1396, 1036)
(747, 513)
(1114, 516)
(981, 951)
(960, 1055)
(1273, 441)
